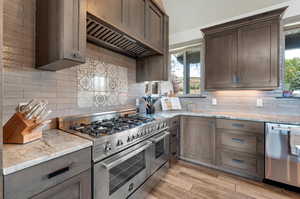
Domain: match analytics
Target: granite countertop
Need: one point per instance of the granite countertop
(54, 143)
(284, 119)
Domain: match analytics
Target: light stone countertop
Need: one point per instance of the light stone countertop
(53, 144)
(283, 119)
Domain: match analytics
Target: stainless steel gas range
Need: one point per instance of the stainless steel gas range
(130, 152)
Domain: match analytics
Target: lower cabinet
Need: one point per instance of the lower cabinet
(240, 147)
(68, 176)
(230, 145)
(174, 129)
(78, 187)
(197, 139)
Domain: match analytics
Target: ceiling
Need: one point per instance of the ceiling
(191, 14)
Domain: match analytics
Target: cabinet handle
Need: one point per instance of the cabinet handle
(130, 188)
(58, 172)
(77, 55)
(234, 79)
(238, 140)
(238, 161)
(238, 125)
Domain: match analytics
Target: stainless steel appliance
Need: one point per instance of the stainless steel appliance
(160, 150)
(282, 156)
(129, 151)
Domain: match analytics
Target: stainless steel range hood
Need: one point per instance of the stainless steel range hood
(105, 35)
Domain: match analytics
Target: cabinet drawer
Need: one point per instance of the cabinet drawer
(238, 162)
(238, 142)
(33, 180)
(257, 127)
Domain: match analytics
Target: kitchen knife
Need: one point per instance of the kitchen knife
(30, 115)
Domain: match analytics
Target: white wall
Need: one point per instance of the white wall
(195, 33)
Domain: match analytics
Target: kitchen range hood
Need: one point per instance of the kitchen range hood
(105, 35)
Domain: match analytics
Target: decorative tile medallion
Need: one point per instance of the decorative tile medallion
(101, 84)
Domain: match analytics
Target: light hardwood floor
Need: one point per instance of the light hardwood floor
(187, 181)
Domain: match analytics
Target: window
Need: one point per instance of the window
(292, 59)
(186, 71)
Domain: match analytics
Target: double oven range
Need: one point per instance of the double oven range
(130, 152)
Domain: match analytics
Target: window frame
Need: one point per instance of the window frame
(183, 48)
(288, 27)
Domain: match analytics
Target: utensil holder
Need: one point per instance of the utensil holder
(19, 130)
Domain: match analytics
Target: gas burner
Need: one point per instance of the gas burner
(111, 126)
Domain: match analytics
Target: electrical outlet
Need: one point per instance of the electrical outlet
(259, 102)
(214, 101)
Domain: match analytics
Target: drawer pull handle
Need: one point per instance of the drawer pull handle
(238, 140)
(238, 125)
(130, 188)
(238, 161)
(58, 172)
(174, 135)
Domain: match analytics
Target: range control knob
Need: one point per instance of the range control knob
(119, 143)
(137, 135)
(133, 137)
(128, 139)
(107, 147)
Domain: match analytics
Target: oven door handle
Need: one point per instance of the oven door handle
(157, 139)
(112, 162)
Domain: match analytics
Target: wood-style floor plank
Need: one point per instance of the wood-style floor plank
(188, 181)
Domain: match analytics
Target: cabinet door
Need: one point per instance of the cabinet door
(110, 11)
(258, 55)
(220, 60)
(74, 30)
(60, 33)
(78, 187)
(135, 17)
(154, 26)
(155, 68)
(197, 139)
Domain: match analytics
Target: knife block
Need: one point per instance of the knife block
(19, 130)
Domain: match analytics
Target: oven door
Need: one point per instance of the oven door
(160, 150)
(120, 175)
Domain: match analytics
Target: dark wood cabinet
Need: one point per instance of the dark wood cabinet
(221, 60)
(240, 147)
(174, 129)
(258, 47)
(141, 30)
(154, 26)
(111, 11)
(197, 140)
(70, 173)
(244, 54)
(135, 17)
(60, 33)
(156, 67)
(78, 187)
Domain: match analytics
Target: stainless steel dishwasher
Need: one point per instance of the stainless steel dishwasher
(282, 156)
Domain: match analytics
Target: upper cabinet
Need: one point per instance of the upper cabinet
(220, 72)
(135, 15)
(258, 55)
(109, 11)
(244, 54)
(136, 28)
(60, 33)
(141, 21)
(155, 27)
